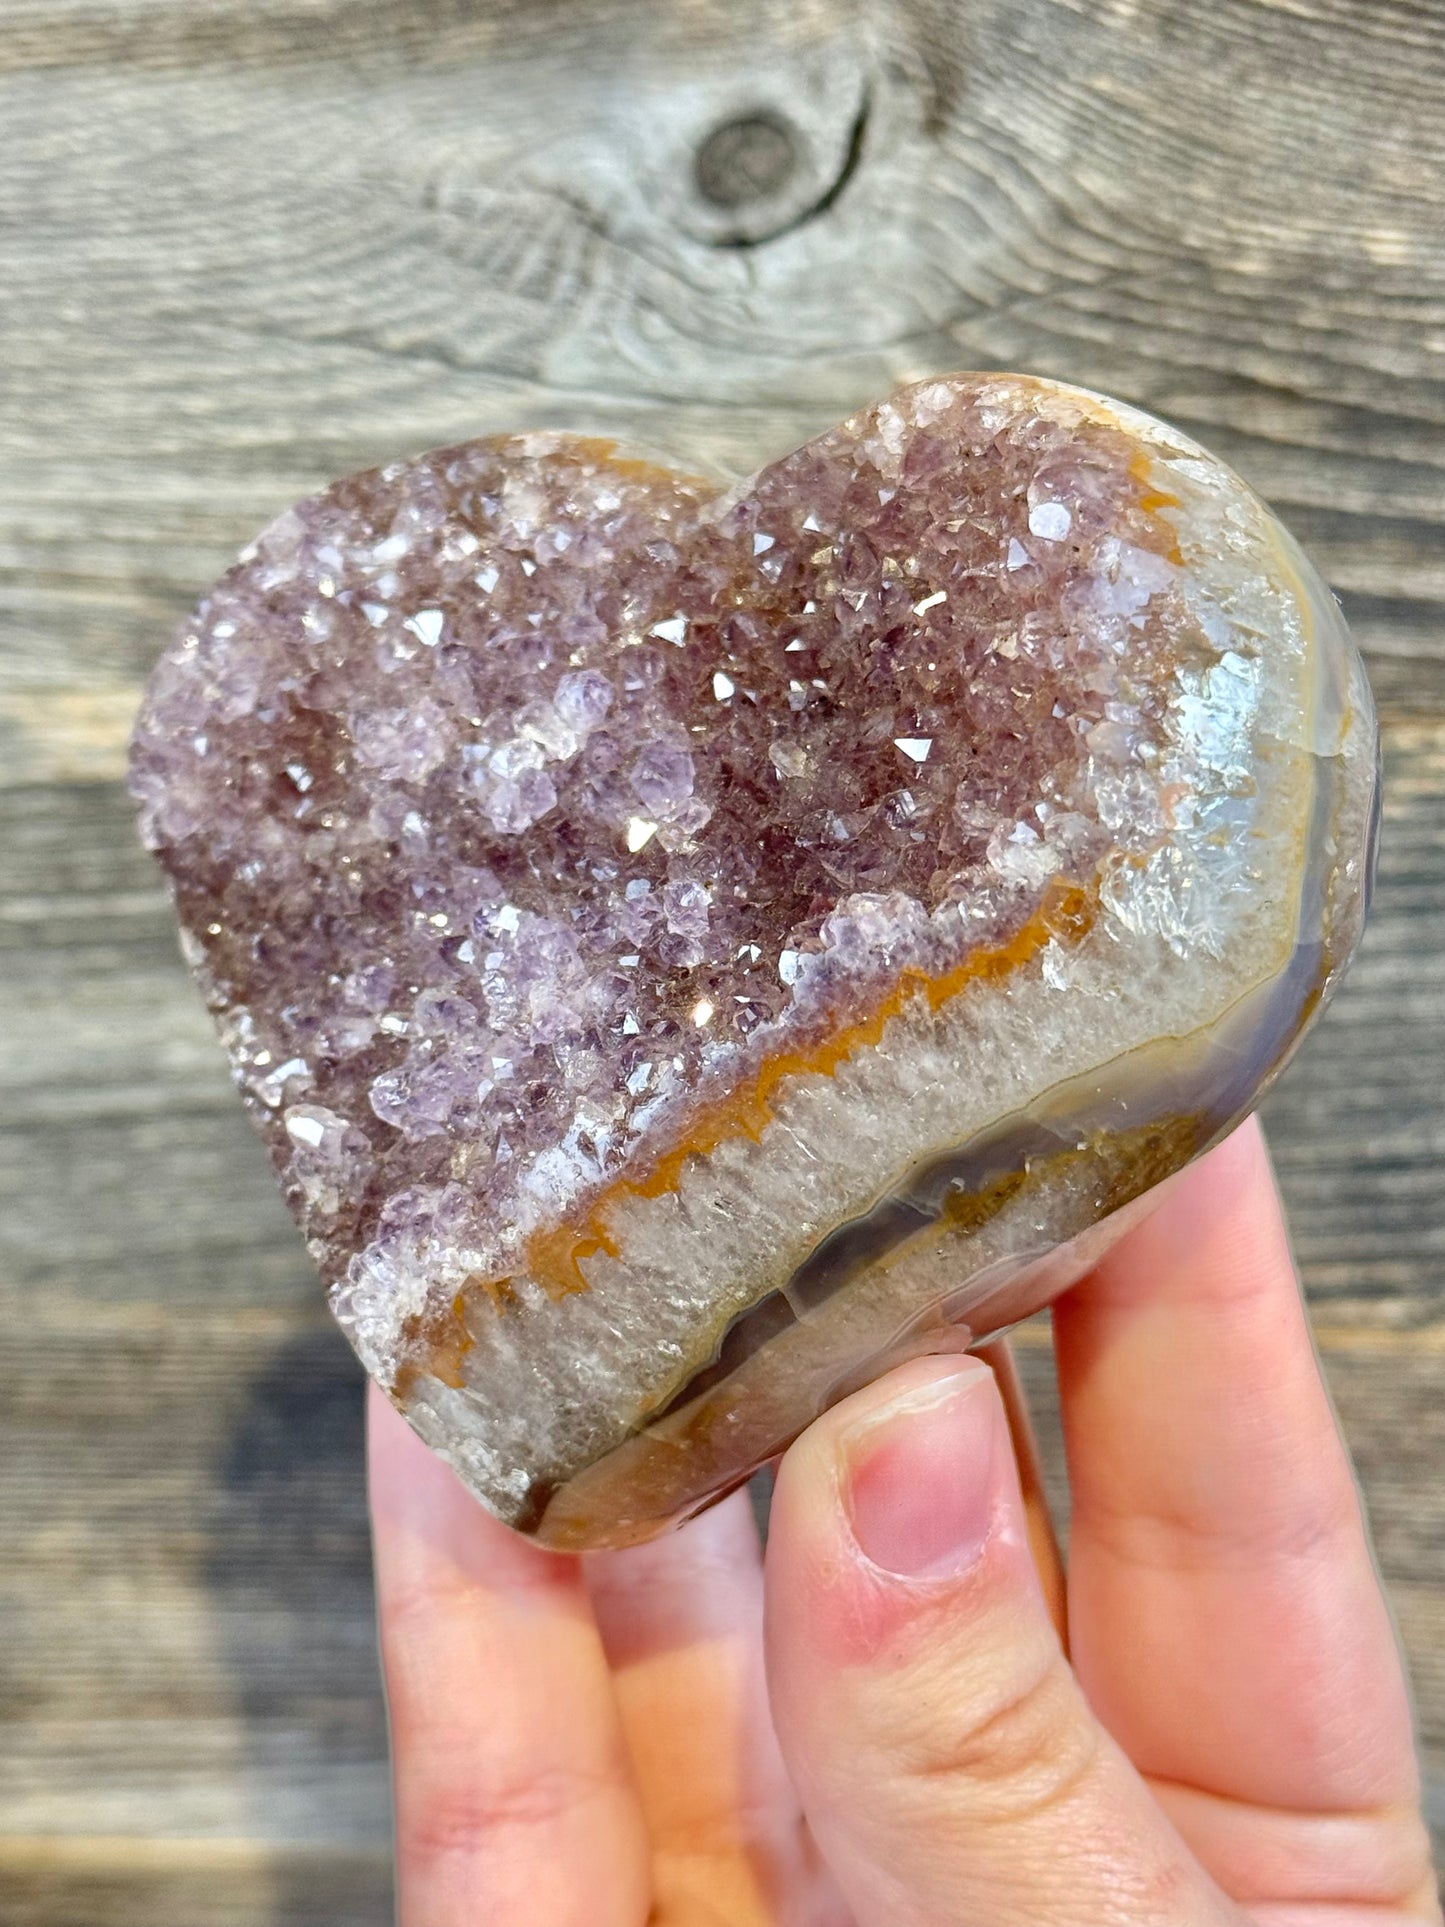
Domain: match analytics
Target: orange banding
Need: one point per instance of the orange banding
(556, 1255)
(1152, 498)
(603, 450)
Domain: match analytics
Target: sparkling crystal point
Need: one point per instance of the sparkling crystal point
(686, 949)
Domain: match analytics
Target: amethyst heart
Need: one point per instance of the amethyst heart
(688, 947)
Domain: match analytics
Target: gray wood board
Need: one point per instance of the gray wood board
(246, 248)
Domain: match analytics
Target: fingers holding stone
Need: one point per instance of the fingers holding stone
(946, 1759)
(681, 1619)
(645, 803)
(1226, 1616)
(514, 1794)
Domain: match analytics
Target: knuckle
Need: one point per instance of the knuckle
(1295, 1528)
(414, 1606)
(466, 1815)
(1025, 1746)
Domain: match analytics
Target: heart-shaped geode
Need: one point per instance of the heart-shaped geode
(688, 947)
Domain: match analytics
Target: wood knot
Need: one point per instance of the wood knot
(760, 173)
(746, 159)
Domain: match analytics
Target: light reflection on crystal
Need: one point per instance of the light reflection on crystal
(522, 806)
(441, 751)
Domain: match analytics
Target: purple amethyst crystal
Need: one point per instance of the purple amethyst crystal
(686, 948)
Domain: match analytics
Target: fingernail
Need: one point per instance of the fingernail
(918, 1475)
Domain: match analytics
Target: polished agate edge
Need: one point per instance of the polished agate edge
(927, 1191)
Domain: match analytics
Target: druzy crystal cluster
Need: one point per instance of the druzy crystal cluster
(686, 946)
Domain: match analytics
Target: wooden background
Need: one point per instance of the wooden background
(246, 245)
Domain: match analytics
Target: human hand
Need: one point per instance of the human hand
(876, 1726)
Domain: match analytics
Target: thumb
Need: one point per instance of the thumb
(947, 1761)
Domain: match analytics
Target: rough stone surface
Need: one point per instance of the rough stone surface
(535, 814)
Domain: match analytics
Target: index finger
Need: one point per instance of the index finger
(514, 1793)
(1225, 1614)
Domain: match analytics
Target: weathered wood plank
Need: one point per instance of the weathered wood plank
(246, 247)
(126, 1882)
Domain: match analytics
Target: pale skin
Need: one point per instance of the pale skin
(875, 1724)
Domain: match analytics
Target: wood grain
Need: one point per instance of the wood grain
(245, 247)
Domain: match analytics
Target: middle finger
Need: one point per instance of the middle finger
(681, 1620)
